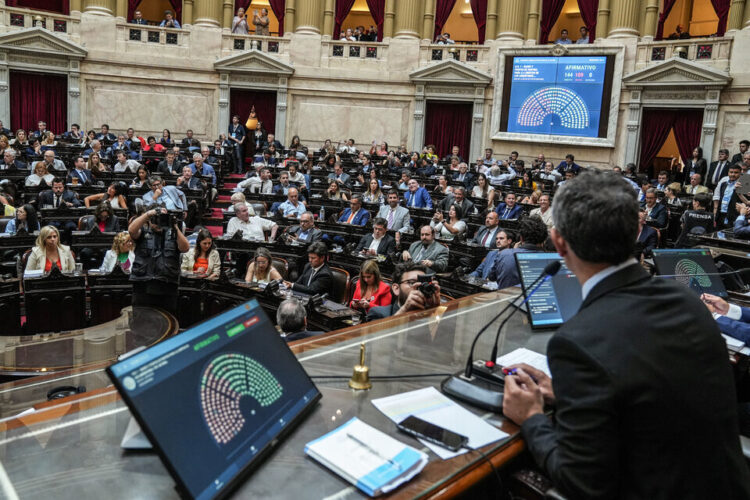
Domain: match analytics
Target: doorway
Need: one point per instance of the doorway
(448, 124)
(38, 97)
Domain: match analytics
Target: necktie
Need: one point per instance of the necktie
(717, 172)
(505, 214)
(411, 200)
(312, 274)
(390, 219)
(351, 216)
(484, 240)
(57, 201)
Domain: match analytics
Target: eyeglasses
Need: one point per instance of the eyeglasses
(409, 282)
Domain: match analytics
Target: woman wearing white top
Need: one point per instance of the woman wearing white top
(113, 196)
(121, 253)
(40, 174)
(239, 23)
(261, 269)
(449, 229)
(49, 252)
(484, 191)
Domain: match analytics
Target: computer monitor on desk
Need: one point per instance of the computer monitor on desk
(217, 398)
(557, 299)
(692, 267)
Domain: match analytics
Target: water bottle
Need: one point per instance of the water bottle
(322, 215)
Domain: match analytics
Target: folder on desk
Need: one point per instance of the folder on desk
(369, 459)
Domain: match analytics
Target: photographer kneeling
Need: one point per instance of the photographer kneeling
(156, 271)
(413, 290)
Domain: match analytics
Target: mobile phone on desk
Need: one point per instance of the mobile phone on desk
(433, 433)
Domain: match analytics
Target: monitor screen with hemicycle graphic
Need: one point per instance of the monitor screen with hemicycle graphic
(215, 398)
(692, 267)
(557, 95)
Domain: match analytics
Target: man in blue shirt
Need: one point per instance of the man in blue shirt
(292, 207)
(169, 197)
(532, 234)
(725, 198)
(503, 240)
(169, 21)
(200, 168)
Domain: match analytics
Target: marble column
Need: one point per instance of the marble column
(121, 9)
(710, 118)
(512, 20)
(104, 7)
(290, 9)
(309, 17)
(491, 28)
(329, 20)
(75, 6)
(228, 14)
(208, 13)
(74, 91)
(624, 21)
(746, 17)
(409, 14)
(651, 19)
(428, 21)
(187, 12)
(390, 13)
(532, 29)
(735, 15)
(602, 19)
(632, 141)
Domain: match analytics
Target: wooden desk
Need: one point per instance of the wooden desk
(55, 302)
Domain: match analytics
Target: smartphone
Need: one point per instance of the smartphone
(432, 433)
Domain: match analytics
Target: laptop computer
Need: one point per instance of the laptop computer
(217, 398)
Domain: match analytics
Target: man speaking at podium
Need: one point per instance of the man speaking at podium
(641, 384)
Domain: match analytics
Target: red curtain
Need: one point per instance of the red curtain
(655, 127)
(448, 124)
(242, 4)
(132, 7)
(279, 7)
(687, 131)
(241, 101)
(343, 7)
(37, 96)
(479, 10)
(177, 6)
(722, 10)
(668, 4)
(589, 12)
(443, 10)
(377, 11)
(551, 10)
(61, 6)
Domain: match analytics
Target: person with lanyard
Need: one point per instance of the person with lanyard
(121, 254)
(49, 252)
(237, 136)
(725, 198)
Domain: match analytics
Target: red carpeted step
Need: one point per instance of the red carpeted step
(230, 185)
(224, 197)
(217, 213)
(235, 176)
(215, 231)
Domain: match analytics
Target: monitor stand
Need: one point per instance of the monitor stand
(134, 438)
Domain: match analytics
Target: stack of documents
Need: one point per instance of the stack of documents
(523, 355)
(733, 344)
(372, 461)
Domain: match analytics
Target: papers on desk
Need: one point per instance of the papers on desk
(432, 406)
(372, 461)
(733, 344)
(523, 355)
(33, 274)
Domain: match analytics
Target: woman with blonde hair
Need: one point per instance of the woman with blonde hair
(49, 252)
(261, 269)
(533, 198)
(370, 290)
(120, 254)
(204, 259)
(40, 174)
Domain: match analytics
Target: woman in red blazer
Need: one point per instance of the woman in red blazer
(371, 290)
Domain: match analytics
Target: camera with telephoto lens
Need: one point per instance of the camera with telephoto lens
(426, 286)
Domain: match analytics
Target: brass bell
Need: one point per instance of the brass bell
(361, 377)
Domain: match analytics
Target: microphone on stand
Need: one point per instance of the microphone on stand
(476, 390)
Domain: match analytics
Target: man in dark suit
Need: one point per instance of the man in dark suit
(458, 197)
(170, 165)
(271, 139)
(355, 215)
(407, 296)
(641, 383)
(80, 172)
(379, 242)
(237, 138)
(58, 196)
(647, 237)
(463, 175)
(10, 162)
(744, 147)
(339, 175)
(138, 18)
(305, 232)
(292, 320)
(568, 164)
(718, 169)
(655, 212)
(4, 131)
(316, 277)
(189, 141)
(509, 209)
(486, 234)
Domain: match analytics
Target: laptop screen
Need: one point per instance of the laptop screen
(557, 299)
(214, 399)
(689, 266)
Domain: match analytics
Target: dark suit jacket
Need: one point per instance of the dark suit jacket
(491, 239)
(322, 282)
(45, 198)
(469, 180)
(701, 167)
(659, 215)
(514, 213)
(648, 239)
(17, 165)
(737, 158)
(467, 206)
(313, 236)
(164, 169)
(359, 220)
(74, 173)
(291, 337)
(387, 245)
(643, 390)
(708, 179)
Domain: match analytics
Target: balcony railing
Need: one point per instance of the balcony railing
(342, 50)
(14, 18)
(466, 53)
(715, 51)
(141, 34)
(274, 45)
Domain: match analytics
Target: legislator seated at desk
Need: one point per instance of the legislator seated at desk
(355, 214)
(58, 196)
(203, 259)
(427, 251)
(253, 228)
(510, 209)
(397, 217)
(261, 270)
(121, 254)
(641, 383)
(532, 233)
(486, 270)
(417, 196)
(316, 277)
(379, 242)
(292, 208)
(371, 290)
(49, 252)
(170, 197)
(486, 235)
(25, 219)
(291, 318)
(305, 232)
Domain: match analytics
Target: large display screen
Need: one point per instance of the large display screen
(215, 398)
(566, 96)
(692, 267)
(557, 299)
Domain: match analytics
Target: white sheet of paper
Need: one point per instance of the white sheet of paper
(432, 406)
(523, 355)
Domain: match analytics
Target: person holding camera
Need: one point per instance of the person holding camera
(413, 290)
(155, 274)
(261, 22)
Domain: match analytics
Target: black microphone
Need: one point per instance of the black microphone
(479, 392)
